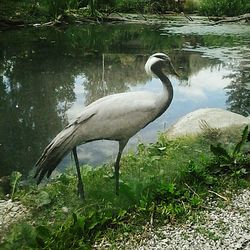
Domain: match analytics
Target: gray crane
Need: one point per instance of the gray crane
(115, 117)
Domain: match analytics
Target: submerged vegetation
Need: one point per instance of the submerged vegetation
(165, 181)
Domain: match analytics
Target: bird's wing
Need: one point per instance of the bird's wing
(118, 105)
(127, 102)
(105, 118)
(84, 117)
(59, 147)
(119, 116)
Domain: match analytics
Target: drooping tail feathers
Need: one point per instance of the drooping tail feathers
(62, 144)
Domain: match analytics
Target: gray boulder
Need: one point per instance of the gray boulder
(194, 122)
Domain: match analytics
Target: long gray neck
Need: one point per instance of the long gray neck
(167, 88)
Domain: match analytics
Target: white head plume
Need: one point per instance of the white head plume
(153, 59)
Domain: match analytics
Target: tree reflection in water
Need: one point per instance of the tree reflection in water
(39, 68)
(238, 93)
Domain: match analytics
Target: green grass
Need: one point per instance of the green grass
(165, 181)
(23, 12)
(26, 12)
(224, 7)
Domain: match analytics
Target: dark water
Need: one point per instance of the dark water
(47, 75)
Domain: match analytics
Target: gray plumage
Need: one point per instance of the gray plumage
(115, 117)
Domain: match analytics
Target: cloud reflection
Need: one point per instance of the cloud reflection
(207, 83)
(204, 88)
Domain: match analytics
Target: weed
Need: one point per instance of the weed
(224, 7)
(208, 233)
(14, 180)
(164, 181)
(232, 159)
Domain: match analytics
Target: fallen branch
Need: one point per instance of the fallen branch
(191, 190)
(5, 23)
(245, 17)
(219, 195)
(189, 18)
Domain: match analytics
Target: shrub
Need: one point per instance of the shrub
(55, 8)
(131, 5)
(224, 7)
(191, 6)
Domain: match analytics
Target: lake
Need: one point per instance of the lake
(47, 76)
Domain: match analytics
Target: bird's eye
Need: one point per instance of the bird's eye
(163, 57)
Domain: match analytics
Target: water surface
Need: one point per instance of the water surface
(48, 75)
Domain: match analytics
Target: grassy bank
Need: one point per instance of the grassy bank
(224, 7)
(24, 12)
(164, 181)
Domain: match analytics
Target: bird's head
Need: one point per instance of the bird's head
(160, 61)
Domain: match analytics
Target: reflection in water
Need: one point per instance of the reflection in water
(239, 94)
(112, 73)
(208, 83)
(47, 76)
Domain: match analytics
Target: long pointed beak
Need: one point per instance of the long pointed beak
(173, 70)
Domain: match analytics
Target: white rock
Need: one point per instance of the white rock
(65, 210)
(190, 124)
(10, 212)
(15, 209)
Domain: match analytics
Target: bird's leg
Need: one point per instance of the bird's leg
(122, 145)
(117, 167)
(80, 183)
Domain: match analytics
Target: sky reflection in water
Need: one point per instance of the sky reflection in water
(205, 89)
(52, 74)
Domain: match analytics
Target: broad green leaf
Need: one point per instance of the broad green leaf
(219, 151)
(43, 199)
(241, 142)
(43, 232)
(14, 180)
